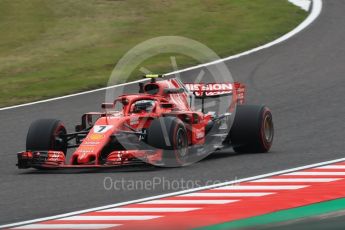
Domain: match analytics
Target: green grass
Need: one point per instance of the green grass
(50, 48)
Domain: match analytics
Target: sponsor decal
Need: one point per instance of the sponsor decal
(54, 156)
(134, 121)
(95, 136)
(91, 143)
(101, 128)
(200, 135)
(86, 149)
(210, 89)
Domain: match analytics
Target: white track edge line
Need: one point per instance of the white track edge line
(243, 188)
(171, 194)
(315, 12)
(70, 226)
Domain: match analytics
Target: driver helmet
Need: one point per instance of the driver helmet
(143, 106)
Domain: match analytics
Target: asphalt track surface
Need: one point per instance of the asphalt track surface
(302, 80)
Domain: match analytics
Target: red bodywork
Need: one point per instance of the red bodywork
(168, 101)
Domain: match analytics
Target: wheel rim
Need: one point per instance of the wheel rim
(181, 145)
(268, 128)
(59, 141)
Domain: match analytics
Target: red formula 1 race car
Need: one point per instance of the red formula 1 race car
(160, 125)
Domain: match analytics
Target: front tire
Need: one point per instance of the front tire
(46, 134)
(170, 135)
(252, 130)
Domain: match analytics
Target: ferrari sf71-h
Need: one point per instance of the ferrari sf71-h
(159, 125)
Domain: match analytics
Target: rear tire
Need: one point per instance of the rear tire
(46, 134)
(170, 135)
(252, 130)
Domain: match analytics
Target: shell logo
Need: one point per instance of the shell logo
(96, 136)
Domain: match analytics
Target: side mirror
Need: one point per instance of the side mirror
(78, 128)
(107, 105)
(141, 87)
(125, 101)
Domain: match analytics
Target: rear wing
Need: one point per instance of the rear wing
(204, 90)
